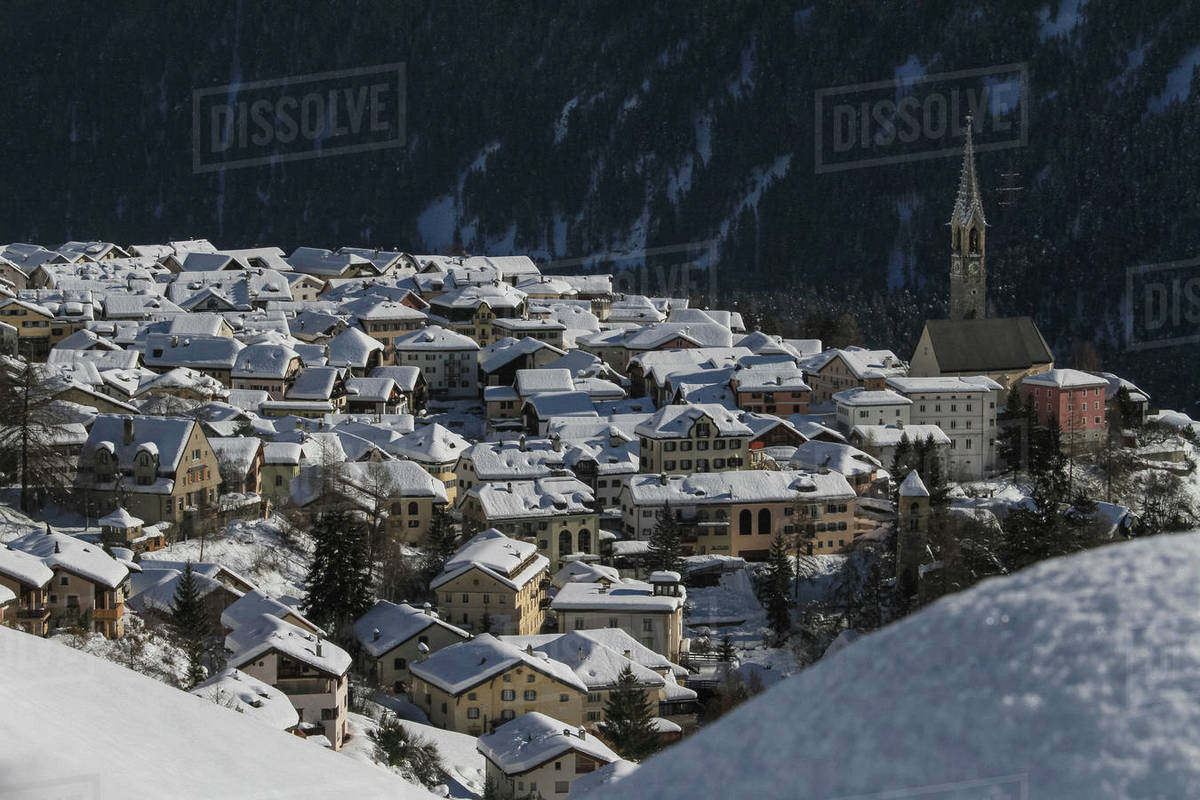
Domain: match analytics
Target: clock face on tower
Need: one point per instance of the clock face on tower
(973, 267)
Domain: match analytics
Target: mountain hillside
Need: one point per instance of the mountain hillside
(609, 127)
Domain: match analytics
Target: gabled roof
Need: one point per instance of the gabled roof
(987, 345)
(167, 435)
(24, 567)
(677, 420)
(533, 739)
(60, 551)
(457, 668)
(352, 348)
(248, 695)
(913, 486)
(254, 638)
(1065, 379)
(388, 625)
(513, 562)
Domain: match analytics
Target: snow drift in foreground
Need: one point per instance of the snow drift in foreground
(74, 724)
(1076, 678)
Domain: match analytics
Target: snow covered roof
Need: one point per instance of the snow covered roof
(432, 444)
(168, 435)
(737, 486)
(869, 397)
(264, 361)
(245, 694)
(676, 421)
(498, 461)
(352, 348)
(511, 561)
(246, 610)
(533, 739)
(119, 518)
(584, 572)
(892, 435)
(944, 384)
(457, 668)
(234, 756)
(595, 662)
(540, 497)
(281, 453)
(913, 486)
(861, 362)
(1062, 378)
(405, 377)
(24, 567)
(388, 625)
(370, 390)
(532, 381)
(434, 337)
(625, 595)
(254, 638)
(361, 480)
(212, 352)
(237, 452)
(60, 551)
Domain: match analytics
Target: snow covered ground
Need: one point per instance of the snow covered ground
(254, 549)
(1074, 678)
(77, 726)
(459, 756)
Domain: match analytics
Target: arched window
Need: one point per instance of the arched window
(412, 509)
(584, 539)
(745, 520)
(564, 542)
(764, 521)
(957, 239)
(974, 240)
(913, 511)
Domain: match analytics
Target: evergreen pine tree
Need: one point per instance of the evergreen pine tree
(726, 652)
(901, 464)
(1012, 432)
(441, 542)
(776, 589)
(933, 475)
(627, 725)
(190, 624)
(665, 542)
(338, 580)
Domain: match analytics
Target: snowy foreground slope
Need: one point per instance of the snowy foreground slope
(1077, 678)
(75, 723)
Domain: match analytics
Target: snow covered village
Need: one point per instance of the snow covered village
(380, 523)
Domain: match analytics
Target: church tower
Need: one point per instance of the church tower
(968, 243)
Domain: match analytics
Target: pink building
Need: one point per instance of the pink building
(1075, 399)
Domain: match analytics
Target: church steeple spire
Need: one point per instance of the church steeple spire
(968, 203)
(968, 242)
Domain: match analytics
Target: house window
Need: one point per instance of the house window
(329, 713)
(612, 622)
(564, 698)
(648, 625)
(562, 787)
(508, 695)
(399, 663)
(530, 694)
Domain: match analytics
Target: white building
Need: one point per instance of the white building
(965, 410)
(535, 755)
(448, 360)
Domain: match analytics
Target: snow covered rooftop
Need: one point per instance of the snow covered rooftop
(913, 486)
(456, 668)
(60, 551)
(388, 625)
(676, 421)
(254, 638)
(24, 567)
(1065, 379)
(533, 739)
(625, 595)
(511, 561)
(233, 689)
(540, 497)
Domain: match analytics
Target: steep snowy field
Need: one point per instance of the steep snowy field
(1076, 678)
(76, 726)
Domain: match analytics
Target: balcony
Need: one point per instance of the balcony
(304, 685)
(33, 613)
(108, 614)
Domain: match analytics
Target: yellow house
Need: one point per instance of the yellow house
(494, 584)
(651, 612)
(32, 322)
(474, 686)
(393, 636)
(693, 437)
(281, 463)
(540, 756)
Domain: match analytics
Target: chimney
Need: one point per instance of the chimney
(318, 648)
(567, 732)
(582, 733)
(127, 430)
(581, 655)
(375, 635)
(521, 443)
(662, 479)
(529, 649)
(56, 549)
(627, 654)
(428, 610)
(47, 528)
(557, 440)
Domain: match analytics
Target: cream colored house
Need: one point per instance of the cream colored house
(281, 463)
(477, 685)
(33, 324)
(310, 671)
(494, 583)
(693, 437)
(89, 586)
(160, 469)
(651, 612)
(556, 512)
(393, 636)
(540, 756)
